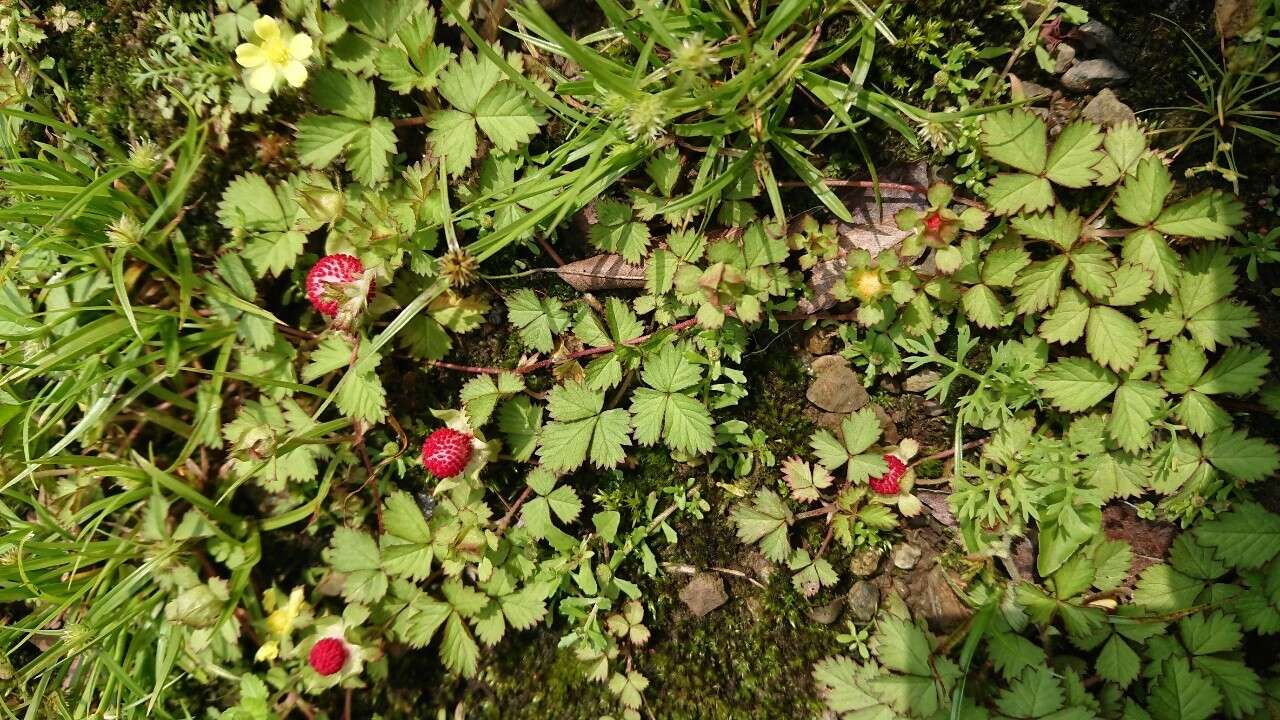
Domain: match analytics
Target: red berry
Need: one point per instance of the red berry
(887, 484)
(326, 279)
(446, 452)
(933, 223)
(328, 656)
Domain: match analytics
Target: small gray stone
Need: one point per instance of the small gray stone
(1107, 110)
(1093, 75)
(826, 614)
(905, 556)
(863, 600)
(1098, 35)
(837, 388)
(1063, 58)
(704, 593)
(887, 426)
(864, 562)
(929, 595)
(760, 565)
(921, 381)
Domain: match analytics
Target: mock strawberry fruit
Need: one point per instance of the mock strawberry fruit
(933, 223)
(328, 279)
(888, 483)
(446, 452)
(328, 656)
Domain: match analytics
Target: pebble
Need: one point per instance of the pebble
(704, 593)
(826, 614)
(921, 381)
(864, 562)
(1093, 75)
(836, 387)
(905, 556)
(1106, 109)
(863, 600)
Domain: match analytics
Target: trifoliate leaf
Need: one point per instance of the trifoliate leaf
(414, 62)
(764, 520)
(368, 145)
(903, 646)
(666, 409)
(581, 428)
(537, 319)
(1148, 249)
(805, 480)
(616, 231)
(861, 430)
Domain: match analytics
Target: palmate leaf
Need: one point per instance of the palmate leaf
(537, 319)
(359, 393)
(1065, 323)
(617, 231)
(581, 428)
(479, 98)
(806, 481)
(666, 410)
(845, 688)
(368, 145)
(1148, 249)
(1134, 409)
(764, 520)
(861, 430)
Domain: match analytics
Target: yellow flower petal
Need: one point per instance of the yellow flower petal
(250, 55)
(266, 27)
(294, 73)
(263, 78)
(268, 652)
(300, 46)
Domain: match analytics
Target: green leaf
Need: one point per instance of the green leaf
(1141, 197)
(861, 430)
(507, 117)
(806, 481)
(1240, 686)
(481, 395)
(668, 410)
(359, 393)
(1074, 155)
(1240, 456)
(458, 650)
(1148, 249)
(1117, 662)
(1183, 694)
(1113, 339)
(1163, 589)
(1038, 285)
(1211, 215)
(764, 520)
(414, 62)
(617, 232)
(1016, 138)
(536, 319)
(1132, 284)
(355, 554)
(453, 139)
(406, 545)
(343, 94)
(902, 646)
(520, 421)
(1205, 634)
(580, 429)
(1247, 537)
(1010, 193)
(1012, 653)
(1239, 371)
(1076, 384)
(1000, 267)
(1133, 411)
(1060, 227)
(982, 306)
(1035, 694)
(368, 145)
(1065, 323)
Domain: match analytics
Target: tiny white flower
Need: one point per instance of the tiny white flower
(274, 55)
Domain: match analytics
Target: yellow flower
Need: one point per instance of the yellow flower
(269, 651)
(273, 55)
(281, 622)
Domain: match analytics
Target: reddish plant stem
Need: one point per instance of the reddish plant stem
(410, 121)
(550, 251)
(506, 520)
